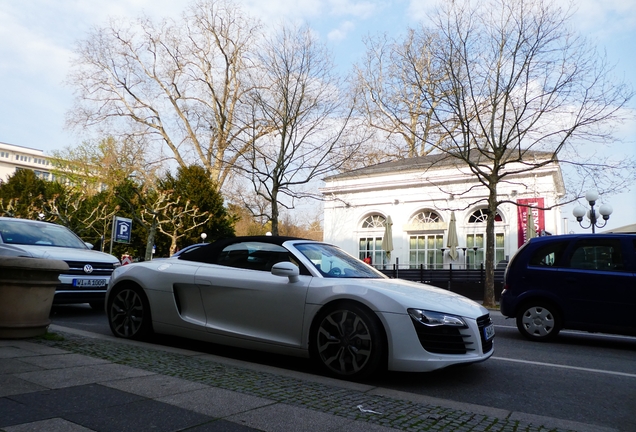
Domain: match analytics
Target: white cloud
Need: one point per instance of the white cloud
(341, 32)
(360, 9)
(605, 18)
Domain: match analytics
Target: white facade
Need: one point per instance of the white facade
(419, 195)
(13, 158)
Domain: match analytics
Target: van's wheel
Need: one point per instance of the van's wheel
(128, 313)
(539, 321)
(348, 341)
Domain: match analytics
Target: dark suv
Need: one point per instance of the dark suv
(580, 282)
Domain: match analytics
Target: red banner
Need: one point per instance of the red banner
(522, 218)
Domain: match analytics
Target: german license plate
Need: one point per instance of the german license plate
(91, 283)
(489, 332)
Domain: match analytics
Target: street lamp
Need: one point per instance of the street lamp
(592, 214)
(203, 237)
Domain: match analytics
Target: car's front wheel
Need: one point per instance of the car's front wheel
(348, 341)
(129, 313)
(539, 321)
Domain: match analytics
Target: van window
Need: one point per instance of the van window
(549, 255)
(603, 254)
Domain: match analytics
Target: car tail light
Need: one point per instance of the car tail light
(505, 288)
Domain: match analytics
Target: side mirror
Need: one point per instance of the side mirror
(287, 269)
(89, 245)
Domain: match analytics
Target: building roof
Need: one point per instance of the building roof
(423, 163)
(629, 229)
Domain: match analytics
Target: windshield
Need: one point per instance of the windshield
(40, 234)
(333, 262)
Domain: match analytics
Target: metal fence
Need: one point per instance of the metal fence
(467, 282)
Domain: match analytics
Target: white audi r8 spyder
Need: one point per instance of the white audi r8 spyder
(299, 297)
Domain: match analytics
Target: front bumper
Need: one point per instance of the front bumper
(407, 353)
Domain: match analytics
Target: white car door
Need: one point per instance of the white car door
(242, 298)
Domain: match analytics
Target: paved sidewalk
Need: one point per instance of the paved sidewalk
(91, 382)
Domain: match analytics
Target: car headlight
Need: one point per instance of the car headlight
(433, 319)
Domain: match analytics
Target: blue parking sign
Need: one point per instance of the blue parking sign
(122, 227)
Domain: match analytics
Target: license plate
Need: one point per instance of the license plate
(489, 332)
(92, 283)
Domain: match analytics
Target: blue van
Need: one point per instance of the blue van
(579, 281)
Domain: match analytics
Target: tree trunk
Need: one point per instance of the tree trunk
(152, 232)
(274, 217)
(489, 283)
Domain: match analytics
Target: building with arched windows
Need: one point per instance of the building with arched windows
(420, 195)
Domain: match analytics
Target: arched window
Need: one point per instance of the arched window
(370, 245)
(374, 221)
(426, 217)
(476, 241)
(481, 215)
(425, 248)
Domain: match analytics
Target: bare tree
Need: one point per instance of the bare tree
(307, 116)
(400, 84)
(518, 81)
(9, 208)
(177, 219)
(73, 211)
(180, 83)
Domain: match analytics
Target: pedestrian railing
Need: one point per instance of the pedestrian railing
(464, 281)
(427, 275)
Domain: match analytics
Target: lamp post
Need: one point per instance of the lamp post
(592, 214)
(203, 237)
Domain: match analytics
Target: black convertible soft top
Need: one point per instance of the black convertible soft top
(210, 252)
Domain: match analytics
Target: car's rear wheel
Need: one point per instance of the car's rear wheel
(129, 313)
(539, 321)
(348, 341)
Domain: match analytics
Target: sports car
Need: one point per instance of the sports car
(299, 297)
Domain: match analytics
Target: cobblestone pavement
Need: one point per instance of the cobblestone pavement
(329, 399)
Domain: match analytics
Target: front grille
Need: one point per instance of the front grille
(482, 322)
(99, 269)
(441, 339)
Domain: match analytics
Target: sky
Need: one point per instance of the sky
(37, 39)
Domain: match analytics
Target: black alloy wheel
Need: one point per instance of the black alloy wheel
(129, 313)
(348, 341)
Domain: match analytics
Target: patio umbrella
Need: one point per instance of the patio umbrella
(451, 241)
(531, 231)
(387, 240)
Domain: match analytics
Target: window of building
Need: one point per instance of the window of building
(370, 245)
(426, 249)
(481, 215)
(476, 242)
(476, 249)
(426, 217)
(374, 221)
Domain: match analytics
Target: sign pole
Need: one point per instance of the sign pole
(112, 235)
